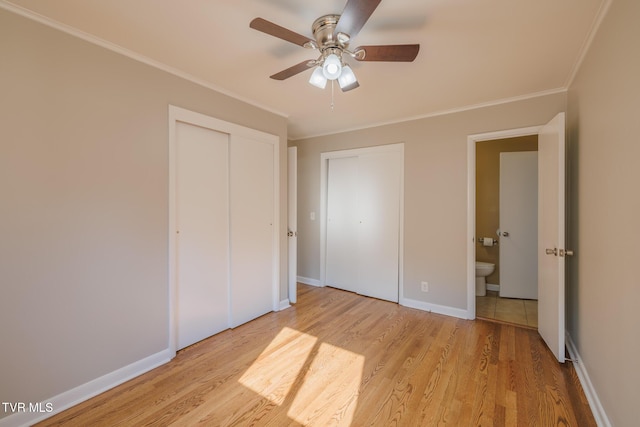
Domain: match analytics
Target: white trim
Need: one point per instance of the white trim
(589, 390)
(29, 14)
(401, 232)
(471, 228)
(292, 222)
(471, 203)
(504, 134)
(324, 158)
(586, 45)
(88, 390)
(435, 308)
(275, 141)
(284, 304)
(178, 114)
(309, 281)
(437, 113)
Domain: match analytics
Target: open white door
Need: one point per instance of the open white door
(293, 222)
(551, 235)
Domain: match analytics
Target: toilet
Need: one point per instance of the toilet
(483, 269)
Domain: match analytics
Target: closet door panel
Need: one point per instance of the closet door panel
(379, 213)
(342, 224)
(202, 214)
(252, 239)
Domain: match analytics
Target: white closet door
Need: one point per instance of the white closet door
(252, 238)
(342, 224)
(363, 224)
(202, 211)
(379, 212)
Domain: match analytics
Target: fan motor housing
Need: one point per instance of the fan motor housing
(323, 30)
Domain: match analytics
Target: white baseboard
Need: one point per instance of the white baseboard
(492, 287)
(434, 308)
(308, 281)
(587, 386)
(284, 304)
(69, 398)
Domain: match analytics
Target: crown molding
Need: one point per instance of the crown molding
(595, 25)
(29, 14)
(439, 113)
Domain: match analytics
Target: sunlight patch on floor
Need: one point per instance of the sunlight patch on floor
(276, 369)
(321, 400)
(298, 372)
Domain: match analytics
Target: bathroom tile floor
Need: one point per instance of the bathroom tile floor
(518, 311)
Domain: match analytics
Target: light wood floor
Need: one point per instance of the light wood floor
(341, 359)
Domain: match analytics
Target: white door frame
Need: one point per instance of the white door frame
(324, 159)
(292, 201)
(177, 114)
(471, 203)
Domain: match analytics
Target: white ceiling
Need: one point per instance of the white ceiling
(473, 52)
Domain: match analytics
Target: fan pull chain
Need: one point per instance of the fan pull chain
(332, 104)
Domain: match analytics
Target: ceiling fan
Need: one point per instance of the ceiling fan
(332, 34)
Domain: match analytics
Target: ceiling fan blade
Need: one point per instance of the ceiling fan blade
(292, 71)
(356, 13)
(391, 53)
(276, 30)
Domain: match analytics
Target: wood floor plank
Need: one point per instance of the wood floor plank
(340, 359)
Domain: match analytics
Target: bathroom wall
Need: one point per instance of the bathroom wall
(488, 193)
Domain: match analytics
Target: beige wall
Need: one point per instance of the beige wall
(84, 211)
(604, 227)
(488, 193)
(435, 220)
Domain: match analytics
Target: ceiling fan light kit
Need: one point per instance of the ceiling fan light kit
(332, 67)
(347, 79)
(318, 79)
(332, 34)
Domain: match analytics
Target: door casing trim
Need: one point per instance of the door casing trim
(471, 203)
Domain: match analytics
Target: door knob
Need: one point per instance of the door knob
(505, 234)
(553, 251)
(566, 252)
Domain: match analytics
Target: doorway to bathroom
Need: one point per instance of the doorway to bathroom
(506, 229)
(552, 253)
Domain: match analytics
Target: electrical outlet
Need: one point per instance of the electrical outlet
(425, 286)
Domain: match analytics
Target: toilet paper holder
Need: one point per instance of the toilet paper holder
(481, 241)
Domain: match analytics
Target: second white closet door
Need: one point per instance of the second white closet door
(379, 206)
(363, 224)
(252, 243)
